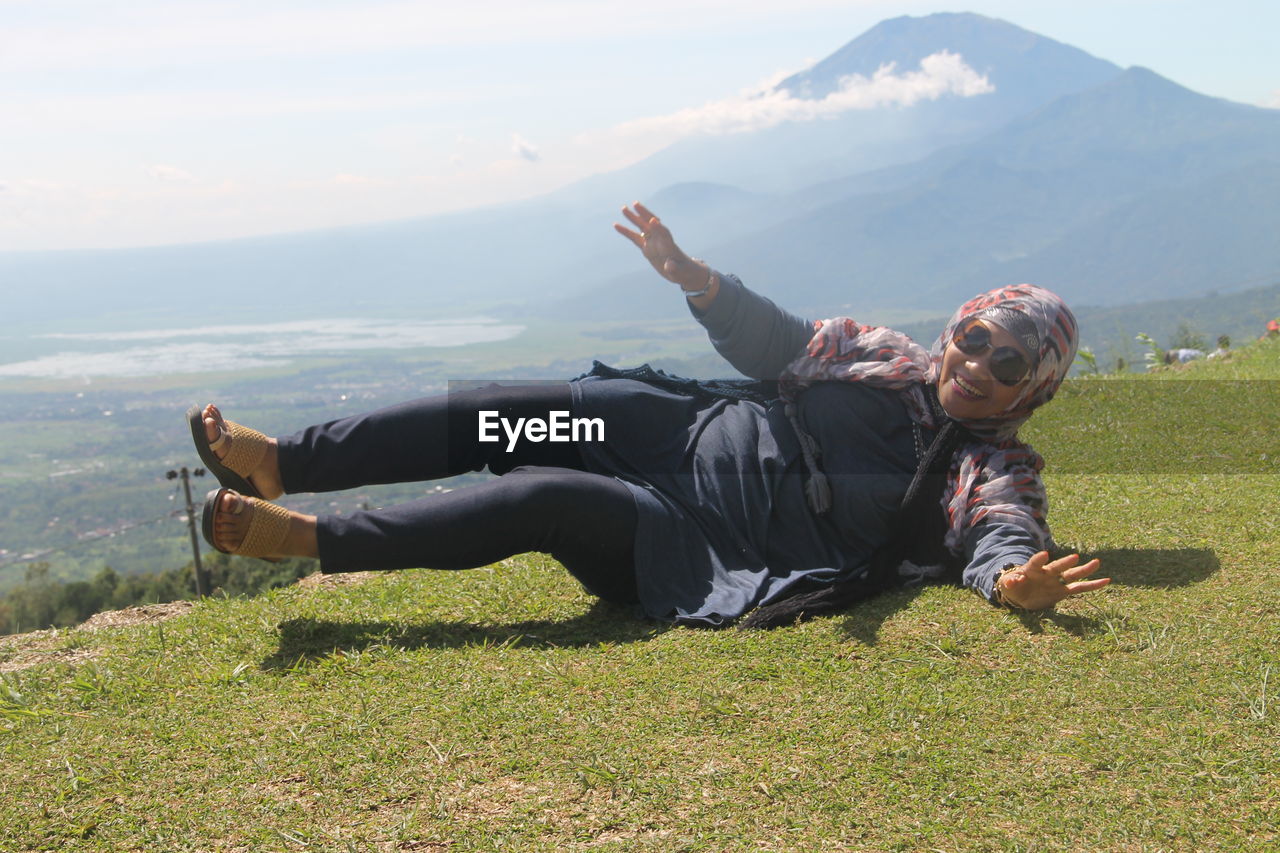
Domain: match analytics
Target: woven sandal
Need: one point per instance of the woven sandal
(268, 526)
(248, 446)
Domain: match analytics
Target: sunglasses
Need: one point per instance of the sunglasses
(1007, 364)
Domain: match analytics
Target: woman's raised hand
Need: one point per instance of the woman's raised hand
(1040, 583)
(659, 248)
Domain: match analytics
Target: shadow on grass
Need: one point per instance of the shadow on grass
(312, 639)
(1156, 568)
(1152, 568)
(863, 621)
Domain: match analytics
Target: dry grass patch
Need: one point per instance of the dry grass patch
(319, 580)
(23, 651)
(64, 645)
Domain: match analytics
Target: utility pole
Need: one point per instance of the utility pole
(202, 582)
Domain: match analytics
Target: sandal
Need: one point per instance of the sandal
(268, 526)
(248, 446)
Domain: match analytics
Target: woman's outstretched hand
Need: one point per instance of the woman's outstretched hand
(1040, 584)
(659, 248)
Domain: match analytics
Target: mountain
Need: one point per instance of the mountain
(1021, 65)
(1133, 190)
(1110, 186)
(457, 262)
(1027, 71)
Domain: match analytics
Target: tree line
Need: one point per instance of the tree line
(39, 601)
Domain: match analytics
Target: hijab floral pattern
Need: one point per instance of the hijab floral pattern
(995, 479)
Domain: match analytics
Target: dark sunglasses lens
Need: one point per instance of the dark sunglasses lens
(974, 339)
(1008, 365)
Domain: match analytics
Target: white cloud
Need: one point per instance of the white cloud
(1272, 101)
(942, 73)
(525, 149)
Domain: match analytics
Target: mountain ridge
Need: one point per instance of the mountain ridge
(967, 206)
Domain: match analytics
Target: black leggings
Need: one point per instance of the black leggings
(545, 499)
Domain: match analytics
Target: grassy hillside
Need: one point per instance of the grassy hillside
(502, 709)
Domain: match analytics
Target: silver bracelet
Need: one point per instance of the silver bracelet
(1000, 597)
(694, 294)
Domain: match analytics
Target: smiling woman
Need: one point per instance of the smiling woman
(869, 462)
(983, 372)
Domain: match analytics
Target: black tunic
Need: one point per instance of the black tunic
(719, 483)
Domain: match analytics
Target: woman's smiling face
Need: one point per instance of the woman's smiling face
(966, 388)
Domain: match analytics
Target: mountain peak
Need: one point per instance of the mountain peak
(1015, 60)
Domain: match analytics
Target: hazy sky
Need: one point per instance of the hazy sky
(140, 123)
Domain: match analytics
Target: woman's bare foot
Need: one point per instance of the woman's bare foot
(266, 477)
(231, 523)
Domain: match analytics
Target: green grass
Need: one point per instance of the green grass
(503, 709)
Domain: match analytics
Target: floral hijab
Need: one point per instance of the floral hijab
(997, 478)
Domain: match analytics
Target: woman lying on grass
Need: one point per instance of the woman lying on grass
(870, 463)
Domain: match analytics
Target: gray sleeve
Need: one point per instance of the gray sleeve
(990, 549)
(753, 334)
